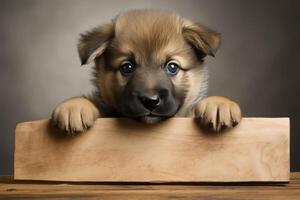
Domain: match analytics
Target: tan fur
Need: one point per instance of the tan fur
(75, 114)
(151, 39)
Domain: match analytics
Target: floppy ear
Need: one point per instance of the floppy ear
(93, 43)
(205, 41)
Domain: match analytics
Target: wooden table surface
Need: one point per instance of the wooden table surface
(10, 189)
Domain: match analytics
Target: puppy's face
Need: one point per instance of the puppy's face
(148, 64)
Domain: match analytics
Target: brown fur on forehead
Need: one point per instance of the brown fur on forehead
(147, 31)
(121, 51)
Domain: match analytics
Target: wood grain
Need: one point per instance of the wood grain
(10, 189)
(177, 150)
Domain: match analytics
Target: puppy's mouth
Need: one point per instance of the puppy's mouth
(151, 118)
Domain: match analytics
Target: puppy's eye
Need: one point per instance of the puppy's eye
(172, 68)
(127, 68)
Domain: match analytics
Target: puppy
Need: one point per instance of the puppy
(148, 66)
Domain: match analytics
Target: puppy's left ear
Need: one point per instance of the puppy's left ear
(205, 41)
(92, 44)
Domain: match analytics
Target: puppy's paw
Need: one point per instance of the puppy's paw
(217, 113)
(75, 115)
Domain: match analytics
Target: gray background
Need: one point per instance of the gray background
(257, 64)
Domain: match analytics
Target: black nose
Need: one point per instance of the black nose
(150, 102)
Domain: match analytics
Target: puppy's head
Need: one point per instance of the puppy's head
(148, 64)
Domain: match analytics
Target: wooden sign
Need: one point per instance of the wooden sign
(177, 150)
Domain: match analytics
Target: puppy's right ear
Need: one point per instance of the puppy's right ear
(93, 43)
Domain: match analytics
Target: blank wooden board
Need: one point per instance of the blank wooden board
(177, 150)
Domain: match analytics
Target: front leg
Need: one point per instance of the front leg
(75, 115)
(217, 113)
